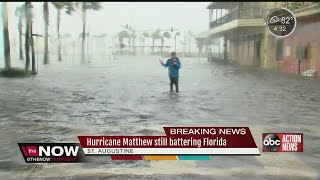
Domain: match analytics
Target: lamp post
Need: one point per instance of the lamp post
(175, 41)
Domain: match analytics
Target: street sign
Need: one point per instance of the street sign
(300, 52)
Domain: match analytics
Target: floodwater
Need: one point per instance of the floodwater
(129, 96)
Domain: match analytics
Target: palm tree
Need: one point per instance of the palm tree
(66, 41)
(190, 35)
(33, 56)
(133, 37)
(6, 40)
(85, 6)
(27, 33)
(69, 8)
(122, 35)
(100, 41)
(164, 35)
(46, 34)
(200, 44)
(29, 38)
(145, 35)
(155, 35)
(20, 13)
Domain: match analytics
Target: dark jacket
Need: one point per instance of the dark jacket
(173, 67)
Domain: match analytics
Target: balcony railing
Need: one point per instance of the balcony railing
(240, 13)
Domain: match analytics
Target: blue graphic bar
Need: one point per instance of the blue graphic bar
(194, 157)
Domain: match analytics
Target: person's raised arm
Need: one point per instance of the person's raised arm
(164, 65)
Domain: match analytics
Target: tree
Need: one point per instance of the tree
(20, 13)
(155, 35)
(103, 37)
(293, 6)
(69, 9)
(27, 33)
(144, 36)
(33, 56)
(201, 42)
(190, 35)
(164, 35)
(46, 34)
(66, 42)
(29, 38)
(6, 39)
(122, 35)
(133, 37)
(85, 6)
(100, 42)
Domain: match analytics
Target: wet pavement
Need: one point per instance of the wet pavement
(130, 96)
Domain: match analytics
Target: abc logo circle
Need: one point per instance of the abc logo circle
(271, 142)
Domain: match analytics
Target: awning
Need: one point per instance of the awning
(309, 12)
(222, 5)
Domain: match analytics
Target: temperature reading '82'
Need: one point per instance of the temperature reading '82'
(284, 20)
(281, 22)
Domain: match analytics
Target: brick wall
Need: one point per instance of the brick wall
(307, 33)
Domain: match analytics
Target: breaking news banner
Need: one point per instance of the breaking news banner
(52, 152)
(177, 141)
(282, 142)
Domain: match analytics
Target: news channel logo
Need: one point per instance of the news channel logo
(282, 142)
(52, 152)
(271, 142)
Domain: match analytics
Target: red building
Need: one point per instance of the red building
(307, 33)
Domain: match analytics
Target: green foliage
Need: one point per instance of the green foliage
(66, 35)
(294, 6)
(145, 34)
(133, 35)
(167, 35)
(89, 5)
(156, 34)
(20, 11)
(14, 72)
(103, 35)
(86, 35)
(178, 34)
(68, 6)
(124, 34)
(190, 33)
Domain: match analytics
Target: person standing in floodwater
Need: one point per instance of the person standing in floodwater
(174, 65)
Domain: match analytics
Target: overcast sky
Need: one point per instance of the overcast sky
(142, 15)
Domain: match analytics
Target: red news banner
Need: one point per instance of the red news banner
(177, 141)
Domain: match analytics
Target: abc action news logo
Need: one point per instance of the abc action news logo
(51, 152)
(282, 142)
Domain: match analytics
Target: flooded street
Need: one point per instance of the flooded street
(130, 96)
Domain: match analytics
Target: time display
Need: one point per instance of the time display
(281, 22)
(280, 28)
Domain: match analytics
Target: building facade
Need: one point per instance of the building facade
(238, 34)
(307, 34)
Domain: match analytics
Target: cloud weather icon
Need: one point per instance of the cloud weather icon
(274, 19)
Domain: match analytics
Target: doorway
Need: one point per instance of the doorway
(257, 52)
